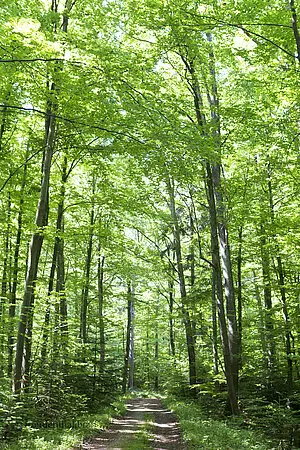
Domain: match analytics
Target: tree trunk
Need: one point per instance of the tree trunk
(295, 28)
(171, 321)
(100, 277)
(214, 322)
(41, 222)
(5, 284)
(172, 350)
(15, 271)
(228, 359)
(282, 288)
(190, 339)
(220, 234)
(265, 259)
(288, 344)
(60, 271)
(56, 255)
(261, 321)
(28, 349)
(227, 274)
(239, 299)
(86, 281)
(129, 341)
(156, 378)
(46, 330)
(213, 99)
(34, 255)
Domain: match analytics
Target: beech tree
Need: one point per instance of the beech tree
(148, 185)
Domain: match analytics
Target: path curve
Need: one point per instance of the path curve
(146, 425)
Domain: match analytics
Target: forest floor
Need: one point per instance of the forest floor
(147, 424)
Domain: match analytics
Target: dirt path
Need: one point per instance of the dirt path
(146, 425)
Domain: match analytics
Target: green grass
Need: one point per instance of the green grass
(64, 438)
(201, 432)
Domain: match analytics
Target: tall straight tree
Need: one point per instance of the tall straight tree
(189, 332)
(87, 271)
(220, 245)
(41, 219)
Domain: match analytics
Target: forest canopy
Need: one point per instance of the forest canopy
(149, 191)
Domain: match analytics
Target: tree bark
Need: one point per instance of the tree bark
(128, 378)
(156, 377)
(15, 271)
(282, 289)
(34, 255)
(214, 322)
(239, 299)
(220, 235)
(172, 349)
(100, 277)
(46, 330)
(131, 343)
(295, 28)
(86, 281)
(171, 321)
(233, 339)
(190, 338)
(41, 222)
(261, 320)
(60, 271)
(5, 284)
(265, 259)
(228, 360)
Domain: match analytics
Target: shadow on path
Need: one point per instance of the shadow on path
(146, 425)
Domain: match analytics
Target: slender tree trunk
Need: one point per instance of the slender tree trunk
(100, 277)
(265, 258)
(86, 281)
(261, 320)
(288, 335)
(282, 288)
(228, 359)
(190, 339)
(214, 322)
(34, 255)
(28, 349)
(217, 218)
(41, 222)
(227, 275)
(148, 357)
(60, 271)
(129, 339)
(131, 343)
(295, 28)
(5, 284)
(15, 272)
(156, 377)
(46, 330)
(172, 349)
(171, 320)
(239, 298)
(57, 258)
(233, 339)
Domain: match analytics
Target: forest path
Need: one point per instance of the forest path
(146, 425)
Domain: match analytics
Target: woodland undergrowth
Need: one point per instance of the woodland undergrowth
(262, 424)
(60, 434)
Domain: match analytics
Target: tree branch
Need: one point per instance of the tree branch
(73, 121)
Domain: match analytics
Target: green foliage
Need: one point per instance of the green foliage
(125, 122)
(65, 434)
(201, 432)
